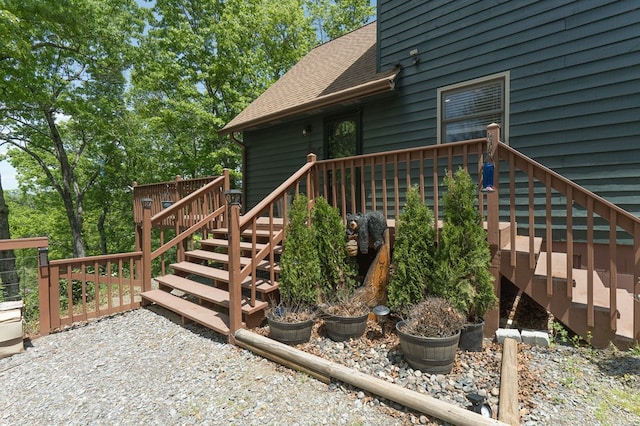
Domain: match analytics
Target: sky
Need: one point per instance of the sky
(8, 175)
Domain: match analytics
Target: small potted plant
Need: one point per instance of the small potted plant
(463, 259)
(291, 320)
(345, 316)
(430, 334)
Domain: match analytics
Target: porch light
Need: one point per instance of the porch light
(146, 203)
(479, 405)
(43, 256)
(233, 197)
(381, 312)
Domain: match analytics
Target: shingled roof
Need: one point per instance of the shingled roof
(341, 70)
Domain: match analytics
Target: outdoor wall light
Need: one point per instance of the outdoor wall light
(306, 130)
(233, 197)
(415, 58)
(382, 313)
(479, 405)
(146, 203)
(43, 256)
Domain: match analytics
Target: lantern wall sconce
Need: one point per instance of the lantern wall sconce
(233, 197)
(43, 256)
(306, 130)
(415, 56)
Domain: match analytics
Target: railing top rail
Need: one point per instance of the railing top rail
(100, 258)
(24, 243)
(450, 145)
(601, 205)
(172, 183)
(158, 217)
(275, 194)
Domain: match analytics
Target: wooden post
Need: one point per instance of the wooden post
(44, 296)
(492, 321)
(311, 158)
(146, 244)
(411, 399)
(508, 410)
(636, 283)
(226, 185)
(235, 290)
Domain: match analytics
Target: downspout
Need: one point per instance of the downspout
(243, 147)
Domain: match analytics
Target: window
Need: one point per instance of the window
(465, 110)
(342, 136)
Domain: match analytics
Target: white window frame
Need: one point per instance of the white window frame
(505, 77)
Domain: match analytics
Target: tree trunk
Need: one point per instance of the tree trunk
(102, 232)
(8, 275)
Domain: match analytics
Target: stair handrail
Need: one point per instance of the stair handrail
(276, 236)
(594, 204)
(191, 214)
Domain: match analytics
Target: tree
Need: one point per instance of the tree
(8, 275)
(200, 64)
(63, 91)
(333, 18)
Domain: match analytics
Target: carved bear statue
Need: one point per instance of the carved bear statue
(364, 226)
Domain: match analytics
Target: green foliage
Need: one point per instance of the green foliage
(412, 253)
(300, 267)
(463, 259)
(338, 270)
(333, 18)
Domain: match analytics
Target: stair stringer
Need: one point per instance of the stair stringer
(557, 301)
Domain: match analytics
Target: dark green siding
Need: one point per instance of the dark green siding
(574, 80)
(574, 70)
(274, 154)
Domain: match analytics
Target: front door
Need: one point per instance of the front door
(343, 138)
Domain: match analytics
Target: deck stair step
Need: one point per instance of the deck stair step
(247, 233)
(522, 244)
(212, 256)
(216, 321)
(208, 293)
(262, 286)
(244, 245)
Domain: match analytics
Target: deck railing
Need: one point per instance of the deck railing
(89, 287)
(164, 194)
(200, 211)
(591, 231)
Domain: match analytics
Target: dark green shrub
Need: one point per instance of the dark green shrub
(337, 270)
(300, 266)
(462, 273)
(413, 254)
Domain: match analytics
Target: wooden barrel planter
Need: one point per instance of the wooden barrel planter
(341, 328)
(433, 355)
(291, 333)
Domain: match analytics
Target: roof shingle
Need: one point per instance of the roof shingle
(342, 69)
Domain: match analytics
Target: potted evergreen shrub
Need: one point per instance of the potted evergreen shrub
(291, 320)
(344, 315)
(430, 333)
(462, 271)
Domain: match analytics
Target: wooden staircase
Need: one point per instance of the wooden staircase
(544, 276)
(198, 288)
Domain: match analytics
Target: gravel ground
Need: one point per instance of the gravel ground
(142, 368)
